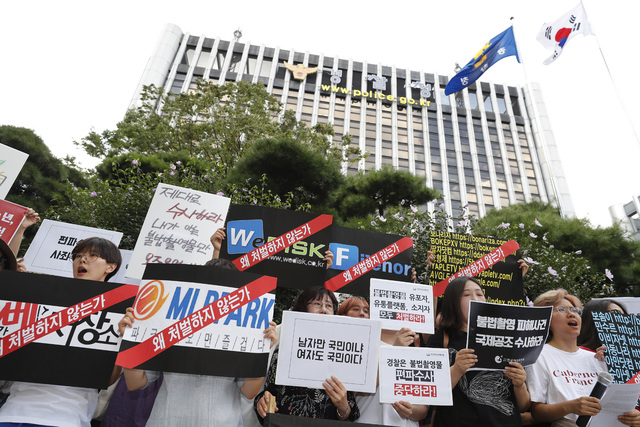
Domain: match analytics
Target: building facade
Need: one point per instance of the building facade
(488, 146)
(628, 217)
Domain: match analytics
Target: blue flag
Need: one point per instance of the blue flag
(501, 46)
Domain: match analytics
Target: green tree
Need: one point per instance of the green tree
(372, 192)
(291, 167)
(585, 259)
(43, 175)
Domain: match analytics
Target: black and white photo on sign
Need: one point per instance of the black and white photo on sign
(231, 346)
(50, 250)
(177, 228)
(420, 376)
(313, 347)
(402, 305)
(502, 333)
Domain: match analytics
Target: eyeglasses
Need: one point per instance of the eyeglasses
(318, 305)
(563, 309)
(89, 259)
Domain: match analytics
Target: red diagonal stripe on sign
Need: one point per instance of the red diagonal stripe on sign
(478, 265)
(173, 334)
(62, 318)
(278, 244)
(368, 264)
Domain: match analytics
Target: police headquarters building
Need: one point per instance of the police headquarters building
(487, 146)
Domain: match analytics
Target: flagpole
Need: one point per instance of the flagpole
(615, 86)
(536, 114)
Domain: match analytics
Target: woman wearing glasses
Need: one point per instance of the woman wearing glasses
(52, 405)
(334, 402)
(563, 376)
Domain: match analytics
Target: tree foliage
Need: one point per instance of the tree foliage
(604, 249)
(374, 191)
(43, 174)
(291, 167)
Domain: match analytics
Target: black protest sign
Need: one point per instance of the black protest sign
(301, 265)
(171, 297)
(502, 283)
(621, 334)
(82, 354)
(298, 266)
(281, 420)
(350, 246)
(501, 333)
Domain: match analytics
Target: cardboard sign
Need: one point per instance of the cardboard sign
(500, 333)
(11, 216)
(313, 347)
(11, 163)
(620, 333)
(50, 250)
(177, 228)
(502, 282)
(420, 376)
(171, 296)
(82, 354)
(402, 305)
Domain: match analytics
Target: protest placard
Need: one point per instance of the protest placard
(502, 282)
(420, 376)
(501, 333)
(11, 163)
(172, 296)
(11, 216)
(281, 420)
(402, 305)
(50, 250)
(313, 347)
(252, 227)
(618, 399)
(177, 228)
(621, 334)
(81, 354)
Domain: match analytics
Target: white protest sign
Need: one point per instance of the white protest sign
(402, 305)
(618, 399)
(313, 347)
(50, 250)
(416, 375)
(11, 163)
(120, 275)
(177, 228)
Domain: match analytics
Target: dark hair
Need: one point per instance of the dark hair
(451, 318)
(221, 263)
(589, 333)
(311, 294)
(350, 302)
(102, 247)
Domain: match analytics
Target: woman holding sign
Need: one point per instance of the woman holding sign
(334, 402)
(564, 375)
(48, 405)
(480, 398)
(400, 413)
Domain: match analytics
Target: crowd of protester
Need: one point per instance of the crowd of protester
(512, 397)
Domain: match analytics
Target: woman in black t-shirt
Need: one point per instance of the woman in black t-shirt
(480, 398)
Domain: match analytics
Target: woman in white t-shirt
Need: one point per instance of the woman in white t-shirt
(563, 376)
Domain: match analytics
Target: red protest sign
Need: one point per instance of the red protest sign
(11, 216)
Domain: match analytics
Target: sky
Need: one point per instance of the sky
(68, 67)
